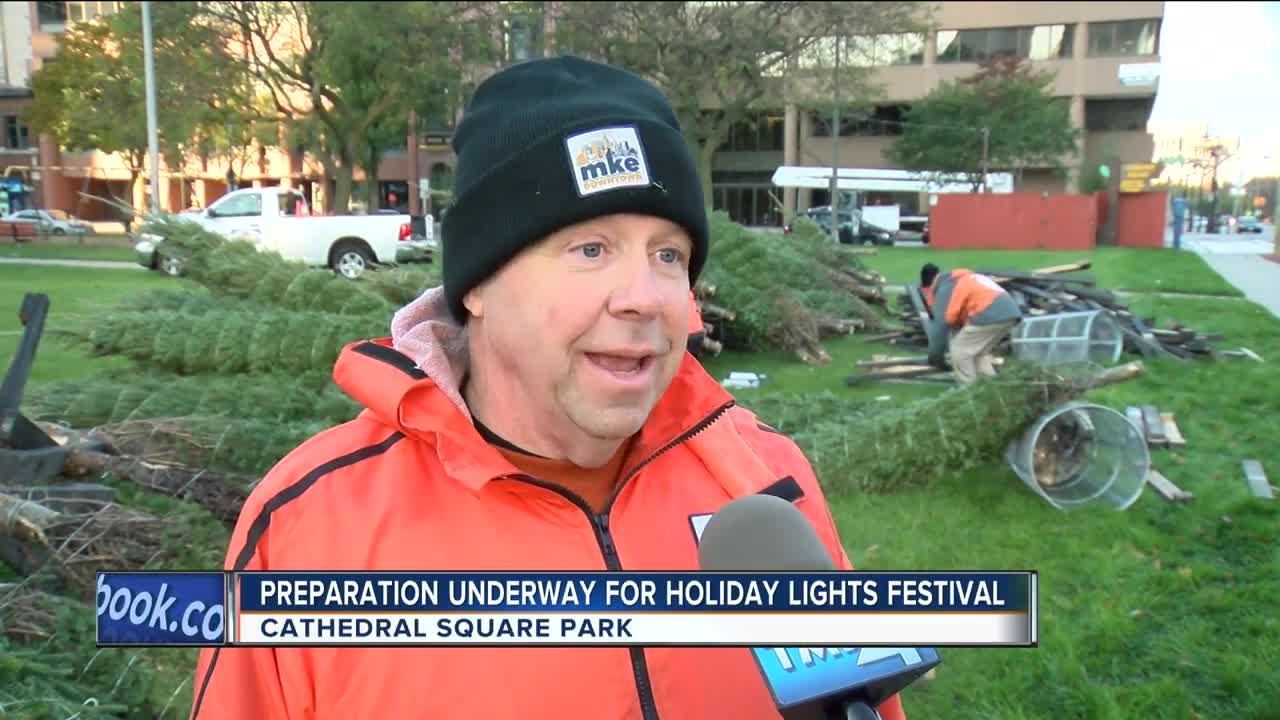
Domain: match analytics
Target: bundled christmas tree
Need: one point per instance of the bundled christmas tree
(277, 397)
(788, 292)
(915, 445)
(226, 342)
(236, 268)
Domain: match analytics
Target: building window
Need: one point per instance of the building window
(54, 16)
(880, 121)
(1127, 37)
(818, 54)
(746, 197)
(524, 36)
(880, 50)
(863, 51)
(763, 133)
(1036, 42)
(16, 135)
(51, 14)
(79, 11)
(1052, 41)
(1119, 114)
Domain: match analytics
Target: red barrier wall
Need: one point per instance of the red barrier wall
(1141, 221)
(1014, 221)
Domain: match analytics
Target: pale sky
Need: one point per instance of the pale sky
(1220, 64)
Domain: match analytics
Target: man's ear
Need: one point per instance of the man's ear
(473, 301)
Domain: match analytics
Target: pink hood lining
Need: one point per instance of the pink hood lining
(427, 333)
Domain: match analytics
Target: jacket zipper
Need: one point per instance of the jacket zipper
(600, 524)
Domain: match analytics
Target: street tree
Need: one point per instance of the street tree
(94, 95)
(1209, 159)
(1004, 117)
(734, 57)
(337, 71)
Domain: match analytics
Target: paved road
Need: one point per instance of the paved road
(96, 264)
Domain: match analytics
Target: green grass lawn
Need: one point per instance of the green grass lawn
(51, 251)
(1114, 268)
(75, 294)
(1162, 611)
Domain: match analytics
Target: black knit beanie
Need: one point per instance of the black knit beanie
(552, 142)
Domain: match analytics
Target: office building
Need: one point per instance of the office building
(1105, 57)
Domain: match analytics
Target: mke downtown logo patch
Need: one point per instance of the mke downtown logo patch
(607, 159)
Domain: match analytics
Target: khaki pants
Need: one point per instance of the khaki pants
(971, 350)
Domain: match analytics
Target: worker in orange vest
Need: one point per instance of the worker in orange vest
(972, 314)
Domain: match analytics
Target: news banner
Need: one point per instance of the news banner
(318, 609)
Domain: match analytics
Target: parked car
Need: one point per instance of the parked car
(853, 230)
(51, 222)
(278, 220)
(1248, 224)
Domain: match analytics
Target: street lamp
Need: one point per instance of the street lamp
(153, 141)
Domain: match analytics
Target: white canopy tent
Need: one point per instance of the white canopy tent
(875, 180)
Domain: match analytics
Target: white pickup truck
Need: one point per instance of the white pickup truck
(279, 220)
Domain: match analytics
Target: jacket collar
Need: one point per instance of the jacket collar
(411, 382)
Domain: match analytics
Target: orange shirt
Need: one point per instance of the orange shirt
(593, 485)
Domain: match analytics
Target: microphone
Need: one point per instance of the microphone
(763, 533)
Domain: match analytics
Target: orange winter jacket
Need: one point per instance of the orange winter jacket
(410, 485)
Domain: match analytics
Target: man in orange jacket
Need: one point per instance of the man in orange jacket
(976, 310)
(537, 412)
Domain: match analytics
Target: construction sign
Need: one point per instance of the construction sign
(1134, 177)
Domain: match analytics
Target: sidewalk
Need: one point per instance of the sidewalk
(96, 264)
(1239, 260)
(1257, 277)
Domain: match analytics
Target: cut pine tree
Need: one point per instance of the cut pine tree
(918, 444)
(234, 445)
(276, 396)
(236, 268)
(223, 341)
(76, 546)
(788, 292)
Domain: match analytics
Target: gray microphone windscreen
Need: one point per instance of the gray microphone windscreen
(761, 533)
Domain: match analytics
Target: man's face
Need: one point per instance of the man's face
(589, 326)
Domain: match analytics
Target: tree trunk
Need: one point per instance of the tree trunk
(371, 180)
(342, 182)
(705, 152)
(134, 173)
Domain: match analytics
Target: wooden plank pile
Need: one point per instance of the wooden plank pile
(1063, 289)
(1161, 431)
(902, 368)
